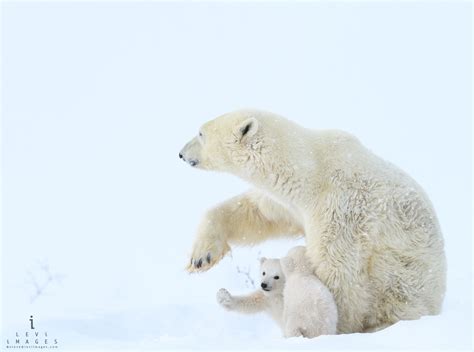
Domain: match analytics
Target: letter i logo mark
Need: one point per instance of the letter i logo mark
(31, 322)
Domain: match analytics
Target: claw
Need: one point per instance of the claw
(199, 263)
(208, 258)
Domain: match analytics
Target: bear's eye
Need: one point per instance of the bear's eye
(263, 273)
(276, 277)
(200, 134)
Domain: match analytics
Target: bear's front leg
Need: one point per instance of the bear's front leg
(210, 244)
(244, 220)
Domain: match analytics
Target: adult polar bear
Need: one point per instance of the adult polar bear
(371, 232)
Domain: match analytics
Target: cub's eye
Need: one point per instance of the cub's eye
(263, 273)
(276, 277)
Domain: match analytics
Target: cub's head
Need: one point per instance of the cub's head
(232, 142)
(271, 275)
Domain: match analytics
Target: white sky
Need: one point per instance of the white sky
(99, 98)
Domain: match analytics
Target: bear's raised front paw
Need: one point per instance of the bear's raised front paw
(205, 254)
(224, 298)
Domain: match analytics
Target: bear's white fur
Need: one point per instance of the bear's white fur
(268, 299)
(309, 309)
(371, 232)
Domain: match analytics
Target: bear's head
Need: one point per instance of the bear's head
(296, 261)
(271, 275)
(239, 142)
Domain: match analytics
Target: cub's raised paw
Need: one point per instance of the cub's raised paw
(224, 298)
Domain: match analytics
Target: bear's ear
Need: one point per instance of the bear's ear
(262, 260)
(246, 129)
(287, 265)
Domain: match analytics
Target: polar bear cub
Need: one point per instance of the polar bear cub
(269, 299)
(291, 294)
(309, 307)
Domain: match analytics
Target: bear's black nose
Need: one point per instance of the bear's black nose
(180, 155)
(264, 285)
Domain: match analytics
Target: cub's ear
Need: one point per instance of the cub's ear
(247, 128)
(262, 260)
(287, 265)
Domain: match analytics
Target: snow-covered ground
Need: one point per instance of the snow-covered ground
(206, 327)
(98, 212)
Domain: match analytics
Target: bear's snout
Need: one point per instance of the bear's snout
(192, 162)
(264, 286)
(189, 153)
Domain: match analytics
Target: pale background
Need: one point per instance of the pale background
(98, 98)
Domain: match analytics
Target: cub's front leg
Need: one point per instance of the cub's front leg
(252, 303)
(246, 219)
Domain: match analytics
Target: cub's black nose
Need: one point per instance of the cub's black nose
(180, 156)
(264, 285)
